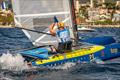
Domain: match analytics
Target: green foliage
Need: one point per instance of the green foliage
(106, 22)
(117, 7)
(110, 5)
(6, 19)
(83, 11)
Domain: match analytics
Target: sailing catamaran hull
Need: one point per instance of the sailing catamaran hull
(102, 40)
(111, 51)
(85, 58)
(82, 55)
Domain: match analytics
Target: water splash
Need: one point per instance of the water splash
(65, 66)
(13, 62)
(4, 78)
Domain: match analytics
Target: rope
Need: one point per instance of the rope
(33, 30)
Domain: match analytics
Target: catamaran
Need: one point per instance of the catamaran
(36, 15)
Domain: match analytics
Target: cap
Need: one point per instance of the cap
(60, 24)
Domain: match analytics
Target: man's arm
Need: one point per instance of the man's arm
(51, 29)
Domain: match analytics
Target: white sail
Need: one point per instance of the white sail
(38, 15)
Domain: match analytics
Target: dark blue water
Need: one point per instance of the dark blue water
(12, 39)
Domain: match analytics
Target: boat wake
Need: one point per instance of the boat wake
(64, 66)
(13, 62)
(3, 77)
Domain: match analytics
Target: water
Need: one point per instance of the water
(13, 67)
(13, 62)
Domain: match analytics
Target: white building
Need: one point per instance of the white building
(116, 17)
(93, 15)
(77, 6)
(117, 3)
(92, 3)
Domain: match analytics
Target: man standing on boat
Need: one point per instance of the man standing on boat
(63, 35)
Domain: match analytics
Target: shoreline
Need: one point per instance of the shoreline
(6, 26)
(100, 26)
(87, 26)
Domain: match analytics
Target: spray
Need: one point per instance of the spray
(13, 62)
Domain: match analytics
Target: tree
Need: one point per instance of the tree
(83, 11)
(110, 5)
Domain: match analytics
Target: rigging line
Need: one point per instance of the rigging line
(30, 48)
(33, 30)
(24, 49)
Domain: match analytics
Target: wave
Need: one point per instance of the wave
(64, 66)
(13, 62)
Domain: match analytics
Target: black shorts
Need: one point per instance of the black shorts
(65, 47)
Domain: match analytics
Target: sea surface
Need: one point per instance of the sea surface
(13, 67)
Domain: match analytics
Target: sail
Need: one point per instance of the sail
(38, 15)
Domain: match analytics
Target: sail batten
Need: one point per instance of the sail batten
(42, 14)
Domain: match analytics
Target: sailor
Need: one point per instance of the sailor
(63, 35)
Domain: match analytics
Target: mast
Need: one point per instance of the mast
(74, 24)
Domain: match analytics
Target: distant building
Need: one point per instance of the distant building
(84, 2)
(117, 3)
(116, 17)
(92, 3)
(93, 15)
(77, 6)
(103, 11)
(99, 1)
